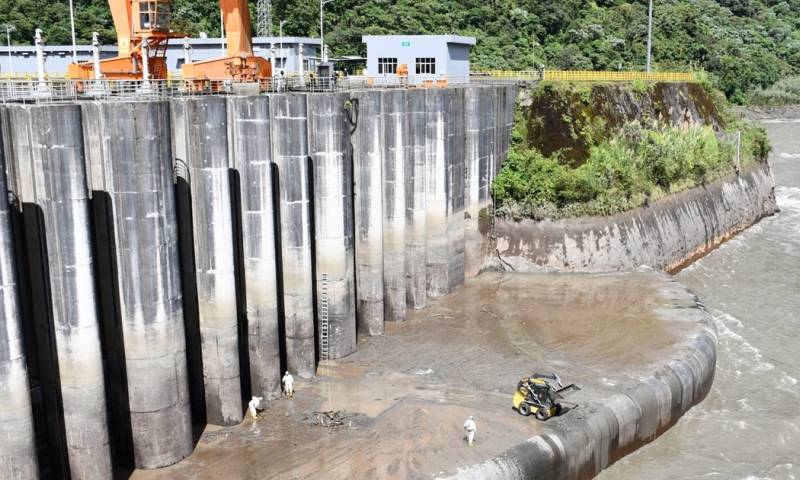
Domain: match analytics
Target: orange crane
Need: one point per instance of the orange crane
(143, 30)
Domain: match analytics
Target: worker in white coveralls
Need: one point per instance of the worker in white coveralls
(288, 385)
(253, 405)
(470, 428)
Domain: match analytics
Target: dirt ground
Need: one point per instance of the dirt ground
(406, 395)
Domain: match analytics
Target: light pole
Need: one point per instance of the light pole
(322, 3)
(72, 27)
(280, 52)
(9, 30)
(649, 34)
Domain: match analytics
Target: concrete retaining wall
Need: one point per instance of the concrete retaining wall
(592, 437)
(668, 235)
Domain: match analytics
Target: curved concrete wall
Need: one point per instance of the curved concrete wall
(394, 119)
(130, 158)
(17, 448)
(200, 136)
(50, 175)
(592, 437)
(668, 235)
(290, 153)
(333, 217)
(416, 288)
(250, 148)
(368, 165)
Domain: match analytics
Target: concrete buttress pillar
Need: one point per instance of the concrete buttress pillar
(368, 164)
(436, 191)
(415, 272)
(200, 140)
(128, 150)
(50, 179)
(290, 153)
(250, 143)
(17, 442)
(329, 146)
(394, 121)
(455, 180)
(475, 147)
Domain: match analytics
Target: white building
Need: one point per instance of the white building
(426, 57)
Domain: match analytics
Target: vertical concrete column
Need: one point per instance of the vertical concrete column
(368, 165)
(250, 145)
(436, 193)
(200, 139)
(290, 153)
(488, 119)
(473, 120)
(510, 109)
(50, 177)
(128, 151)
(394, 123)
(416, 279)
(18, 450)
(328, 143)
(456, 188)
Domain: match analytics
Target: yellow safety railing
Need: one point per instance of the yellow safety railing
(592, 76)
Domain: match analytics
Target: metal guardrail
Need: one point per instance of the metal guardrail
(63, 90)
(591, 76)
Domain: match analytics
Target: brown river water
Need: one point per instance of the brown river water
(749, 425)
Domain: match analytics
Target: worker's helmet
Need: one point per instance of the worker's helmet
(471, 417)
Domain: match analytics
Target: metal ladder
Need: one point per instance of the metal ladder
(323, 317)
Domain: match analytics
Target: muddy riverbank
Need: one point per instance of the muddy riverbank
(405, 396)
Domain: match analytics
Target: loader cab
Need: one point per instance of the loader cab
(152, 17)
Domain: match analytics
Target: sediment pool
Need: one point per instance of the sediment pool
(404, 396)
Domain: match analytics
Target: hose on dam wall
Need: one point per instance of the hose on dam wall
(160, 300)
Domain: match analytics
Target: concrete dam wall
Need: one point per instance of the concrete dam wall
(667, 235)
(162, 261)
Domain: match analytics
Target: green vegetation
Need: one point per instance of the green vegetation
(625, 168)
(783, 92)
(742, 44)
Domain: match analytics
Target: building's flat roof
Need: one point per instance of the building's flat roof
(443, 38)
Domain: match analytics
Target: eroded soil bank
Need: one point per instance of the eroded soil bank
(406, 395)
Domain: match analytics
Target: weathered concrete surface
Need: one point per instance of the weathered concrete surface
(416, 279)
(250, 148)
(667, 236)
(368, 191)
(17, 448)
(436, 189)
(395, 130)
(200, 139)
(329, 147)
(49, 179)
(290, 154)
(639, 345)
(129, 157)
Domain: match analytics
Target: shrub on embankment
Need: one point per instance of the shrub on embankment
(580, 150)
(783, 92)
